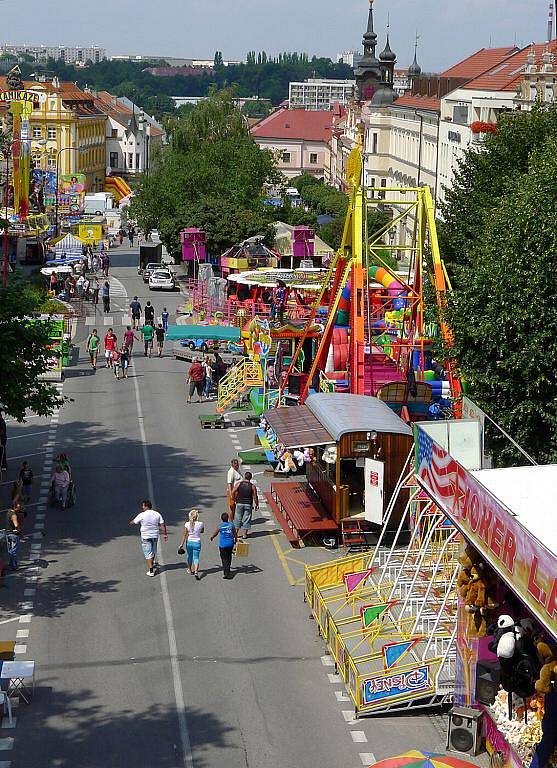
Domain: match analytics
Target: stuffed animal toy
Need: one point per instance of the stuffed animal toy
(548, 673)
(477, 591)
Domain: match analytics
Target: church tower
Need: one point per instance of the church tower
(374, 76)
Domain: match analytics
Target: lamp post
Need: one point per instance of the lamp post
(58, 155)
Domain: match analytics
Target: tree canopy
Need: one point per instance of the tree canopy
(501, 242)
(24, 356)
(211, 175)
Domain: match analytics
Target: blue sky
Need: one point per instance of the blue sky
(449, 30)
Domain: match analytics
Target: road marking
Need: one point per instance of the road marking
(327, 661)
(6, 724)
(341, 696)
(7, 621)
(20, 648)
(26, 455)
(23, 619)
(348, 715)
(358, 737)
(108, 321)
(21, 634)
(282, 559)
(334, 678)
(31, 434)
(6, 744)
(173, 648)
(367, 758)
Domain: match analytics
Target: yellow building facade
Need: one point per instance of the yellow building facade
(68, 132)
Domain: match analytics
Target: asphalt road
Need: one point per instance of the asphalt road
(170, 672)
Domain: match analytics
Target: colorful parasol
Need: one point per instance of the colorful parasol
(417, 759)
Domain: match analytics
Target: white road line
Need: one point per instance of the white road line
(348, 715)
(6, 744)
(7, 621)
(21, 634)
(20, 649)
(341, 696)
(173, 648)
(367, 758)
(245, 429)
(108, 321)
(26, 619)
(31, 434)
(334, 678)
(6, 724)
(358, 737)
(327, 661)
(26, 455)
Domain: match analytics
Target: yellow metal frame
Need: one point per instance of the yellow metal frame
(239, 379)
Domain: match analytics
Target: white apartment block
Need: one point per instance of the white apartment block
(319, 95)
(68, 54)
(351, 58)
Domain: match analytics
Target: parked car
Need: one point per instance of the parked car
(148, 270)
(162, 279)
(200, 345)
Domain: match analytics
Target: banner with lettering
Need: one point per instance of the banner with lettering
(520, 559)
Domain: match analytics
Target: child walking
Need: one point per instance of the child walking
(26, 480)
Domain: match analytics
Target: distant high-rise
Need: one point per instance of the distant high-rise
(68, 53)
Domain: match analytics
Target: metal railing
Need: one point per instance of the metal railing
(241, 377)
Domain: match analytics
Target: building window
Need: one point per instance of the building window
(313, 158)
(37, 132)
(51, 163)
(114, 159)
(130, 160)
(137, 161)
(51, 132)
(374, 144)
(460, 115)
(286, 157)
(383, 185)
(115, 133)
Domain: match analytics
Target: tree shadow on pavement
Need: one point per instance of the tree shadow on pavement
(64, 730)
(68, 590)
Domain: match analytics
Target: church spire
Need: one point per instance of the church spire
(414, 70)
(370, 38)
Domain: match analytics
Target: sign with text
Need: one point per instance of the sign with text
(521, 560)
(373, 499)
(407, 683)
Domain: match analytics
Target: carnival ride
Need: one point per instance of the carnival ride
(385, 338)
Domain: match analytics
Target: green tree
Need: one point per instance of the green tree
(210, 175)
(503, 310)
(24, 357)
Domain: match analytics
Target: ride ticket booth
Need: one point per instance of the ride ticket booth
(506, 640)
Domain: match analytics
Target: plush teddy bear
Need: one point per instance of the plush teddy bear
(547, 679)
(479, 600)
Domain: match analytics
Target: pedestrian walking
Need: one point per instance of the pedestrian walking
(14, 531)
(79, 285)
(164, 318)
(110, 341)
(207, 367)
(195, 379)
(124, 360)
(3, 444)
(121, 236)
(149, 314)
(191, 535)
(116, 363)
(227, 538)
(151, 525)
(106, 296)
(26, 480)
(96, 289)
(135, 309)
(233, 476)
(95, 262)
(131, 235)
(159, 331)
(246, 498)
(105, 263)
(147, 332)
(93, 343)
(86, 288)
(61, 483)
(129, 338)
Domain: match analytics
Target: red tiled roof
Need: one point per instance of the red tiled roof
(302, 124)
(505, 75)
(430, 103)
(479, 62)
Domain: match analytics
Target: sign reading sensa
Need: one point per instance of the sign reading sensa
(401, 685)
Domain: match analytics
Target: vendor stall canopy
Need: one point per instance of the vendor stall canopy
(341, 414)
(207, 332)
(297, 426)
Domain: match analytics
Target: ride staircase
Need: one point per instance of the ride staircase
(240, 379)
(379, 369)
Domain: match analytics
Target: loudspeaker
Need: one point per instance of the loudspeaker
(296, 383)
(464, 732)
(488, 677)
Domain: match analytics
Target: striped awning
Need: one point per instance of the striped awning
(297, 427)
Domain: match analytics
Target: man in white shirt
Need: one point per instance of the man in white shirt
(232, 478)
(151, 526)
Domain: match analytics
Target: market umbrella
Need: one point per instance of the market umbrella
(417, 759)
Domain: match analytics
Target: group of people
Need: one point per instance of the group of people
(202, 375)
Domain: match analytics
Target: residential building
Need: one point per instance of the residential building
(514, 82)
(67, 53)
(299, 137)
(349, 57)
(67, 131)
(401, 81)
(130, 135)
(319, 94)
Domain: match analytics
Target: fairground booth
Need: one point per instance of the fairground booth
(507, 600)
(359, 448)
